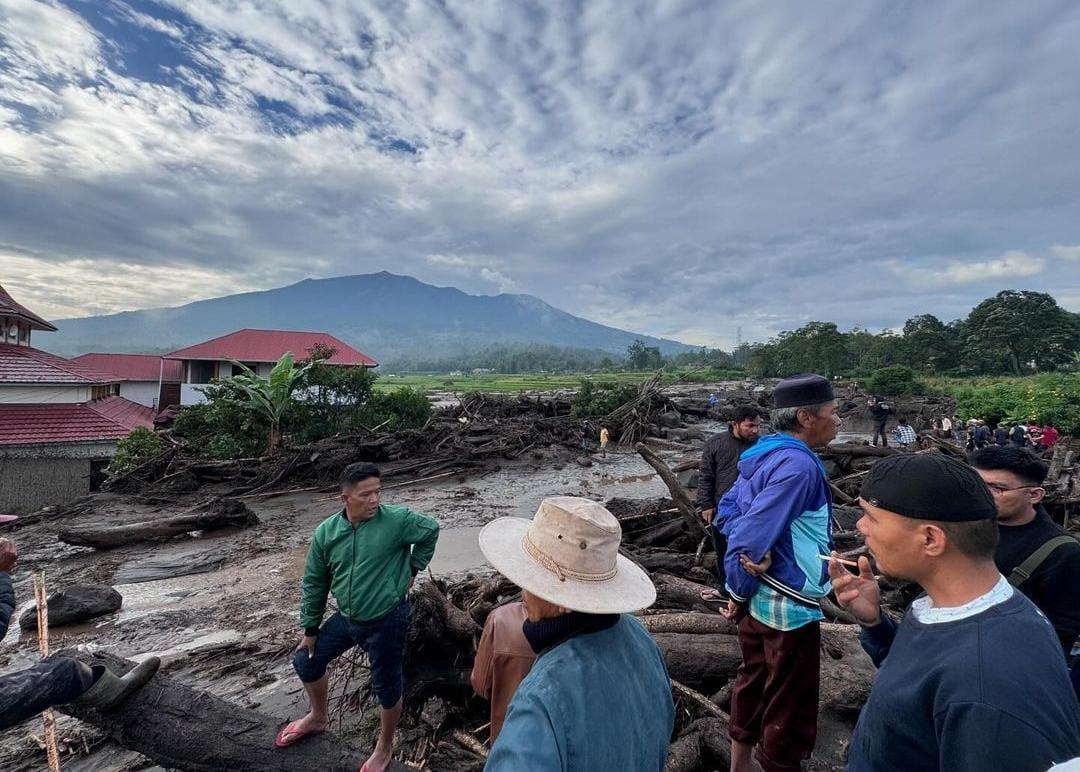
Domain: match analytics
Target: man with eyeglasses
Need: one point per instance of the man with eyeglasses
(1036, 554)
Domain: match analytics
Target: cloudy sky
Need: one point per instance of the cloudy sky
(684, 169)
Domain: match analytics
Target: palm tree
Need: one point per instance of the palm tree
(269, 397)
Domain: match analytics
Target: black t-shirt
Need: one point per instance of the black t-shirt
(1001, 435)
(1055, 585)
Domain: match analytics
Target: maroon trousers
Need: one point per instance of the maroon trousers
(774, 701)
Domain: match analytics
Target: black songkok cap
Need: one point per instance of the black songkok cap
(929, 486)
(802, 391)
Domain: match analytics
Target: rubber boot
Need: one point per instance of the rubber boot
(109, 690)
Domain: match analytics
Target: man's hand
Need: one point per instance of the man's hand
(731, 611)
(307, 642)
(860, 595)
(756, 569)
(707, 515)
(8, 555)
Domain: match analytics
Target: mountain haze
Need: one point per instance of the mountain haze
(384, 315)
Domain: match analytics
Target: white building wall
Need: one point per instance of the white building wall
(42, 394)
(143, 392)
(190, 394)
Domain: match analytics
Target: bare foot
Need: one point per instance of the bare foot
(309, 723)
(377, 761)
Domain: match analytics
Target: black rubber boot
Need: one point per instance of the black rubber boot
(109, 690)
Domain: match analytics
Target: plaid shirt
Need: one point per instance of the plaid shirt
(905, 435)
(779, 612)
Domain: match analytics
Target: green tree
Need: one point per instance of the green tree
(642, 357)
(931, 345)
(271, 397)
(1019, 330)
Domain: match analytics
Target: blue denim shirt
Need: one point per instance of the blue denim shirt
(597, 702)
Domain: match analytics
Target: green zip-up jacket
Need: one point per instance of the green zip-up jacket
(367, 567)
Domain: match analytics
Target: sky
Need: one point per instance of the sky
(704, 171)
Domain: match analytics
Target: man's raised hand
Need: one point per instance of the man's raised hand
(860, 595)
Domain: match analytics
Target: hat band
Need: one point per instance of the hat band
(563, 572)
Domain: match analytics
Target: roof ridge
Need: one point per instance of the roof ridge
(79, 370)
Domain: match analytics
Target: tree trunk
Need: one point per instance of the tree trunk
(183, 728)
(678, 493)
(219, 513)
(702, 662)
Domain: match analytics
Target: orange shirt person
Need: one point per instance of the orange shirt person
(503, 659)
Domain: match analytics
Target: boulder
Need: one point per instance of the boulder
(74, 604)
(688, 478)
(669, 420)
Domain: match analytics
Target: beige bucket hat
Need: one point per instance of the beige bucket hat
(568, 554)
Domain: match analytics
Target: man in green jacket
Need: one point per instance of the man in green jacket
(367, 555)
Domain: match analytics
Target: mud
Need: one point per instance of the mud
(220, 608)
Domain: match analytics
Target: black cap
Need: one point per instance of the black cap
(802, 390)
(929, 486)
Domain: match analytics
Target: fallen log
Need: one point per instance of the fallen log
(187, 729)
(220, 513)
(679, 495)
(689, 622)
(672, 592)
(684, 755)
(702, 662)
(858, 451)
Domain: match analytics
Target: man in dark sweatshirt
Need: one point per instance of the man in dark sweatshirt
(1052, 582)
(972, 679)
(879, 413)
(718, 472)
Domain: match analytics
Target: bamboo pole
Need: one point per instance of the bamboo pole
(47, 718)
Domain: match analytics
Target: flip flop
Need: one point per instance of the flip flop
(713, 599)
(289, 729)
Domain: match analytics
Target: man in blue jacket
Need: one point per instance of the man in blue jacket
(776, 518)
(972, 679)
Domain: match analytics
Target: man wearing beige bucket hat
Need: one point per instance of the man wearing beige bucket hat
(598, 697)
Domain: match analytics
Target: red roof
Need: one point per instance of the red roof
(22, 364)
(8, 307)
(106, 419)
(134, 367)
(270, 345)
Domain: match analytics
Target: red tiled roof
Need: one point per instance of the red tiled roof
(105, 419)
(134, 367)
(268, 346)
(8, 307)
(22, 364)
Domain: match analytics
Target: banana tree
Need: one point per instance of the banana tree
(269, 397)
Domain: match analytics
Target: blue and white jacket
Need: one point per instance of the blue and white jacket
(780, 503)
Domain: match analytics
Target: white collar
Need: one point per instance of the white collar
(924, 611)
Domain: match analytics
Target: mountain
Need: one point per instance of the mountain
(387, 316)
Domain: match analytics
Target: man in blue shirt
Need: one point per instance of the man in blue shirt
(776, 519)
(972, 679)
(598, 698)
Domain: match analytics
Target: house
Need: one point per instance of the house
(148, 379)
(59, 419)
(259, 350)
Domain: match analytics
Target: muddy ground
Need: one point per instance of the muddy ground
(220, 608)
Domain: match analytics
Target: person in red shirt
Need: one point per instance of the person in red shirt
(1049, 436)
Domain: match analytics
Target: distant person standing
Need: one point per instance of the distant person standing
(946, 428)
(1001, 434)
(1049, 436)
(1018, 436)
(980, 438)
(879, 413)
(604, 438)
(717, 473)
(958, 429)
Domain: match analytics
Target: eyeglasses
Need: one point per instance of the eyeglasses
(999, 490)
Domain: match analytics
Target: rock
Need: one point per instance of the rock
(832, 469)
(584, 461)
(77, 603)
(669, 420)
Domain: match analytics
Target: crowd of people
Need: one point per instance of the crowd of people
(974, 677)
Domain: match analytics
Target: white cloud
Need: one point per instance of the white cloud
(1065, 252)
(670, 168)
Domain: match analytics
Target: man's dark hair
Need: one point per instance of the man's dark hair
(975, 538)
(1022, 462)
(742, 412)
(903, 421)
(358, 472)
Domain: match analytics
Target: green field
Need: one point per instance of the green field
(500, 383)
